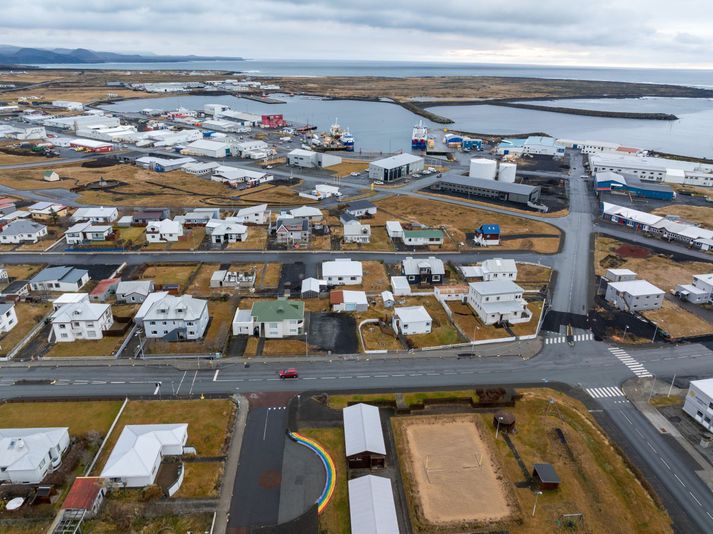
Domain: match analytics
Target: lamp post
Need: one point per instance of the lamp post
(534, 506)
(497, 426)
(671, 386)
(656, 331)
(626, 329)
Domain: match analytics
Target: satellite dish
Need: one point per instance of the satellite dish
(14, 504)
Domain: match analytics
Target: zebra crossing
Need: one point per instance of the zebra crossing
(603, 392)
(563, 339)
(633, 365)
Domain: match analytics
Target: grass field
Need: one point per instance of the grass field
(374, 277)
(376, 338)
(135, 234)
(337, 402)
(81, 417)
(284, 347)
(201, 480)
(270, 276)
(529, 328)
(335, 518)
(442, 330)
(169, 274)
(200, 285)
(257, 240)
(105, 346)
(128, 518)
(702, 215)
(274, 194)
(28, 315)
(24, 271)
(678, 322)
(530, 276)
(348, 166)
(471, 325)
(14, 159)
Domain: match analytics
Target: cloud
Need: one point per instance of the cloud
(642, 32)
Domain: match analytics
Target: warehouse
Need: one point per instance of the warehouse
(617, 183)
(90, 145)
(653, 169)
(204, 147)
(478, 187)
(395, 167)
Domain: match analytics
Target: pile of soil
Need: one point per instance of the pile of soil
(633, 251)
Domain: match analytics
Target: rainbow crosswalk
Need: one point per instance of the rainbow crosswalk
(329, 468)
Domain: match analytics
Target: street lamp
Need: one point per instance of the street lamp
(626, 329)
(497, 426)
(534, 506)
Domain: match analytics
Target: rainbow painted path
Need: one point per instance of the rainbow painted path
(329, 468)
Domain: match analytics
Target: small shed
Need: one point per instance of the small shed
(505, 421)
(545, 477)
(363, 437)
(85, 496)
(50, 176)
(388, 298)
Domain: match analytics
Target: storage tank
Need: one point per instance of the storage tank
(507, 172)
(483, 168)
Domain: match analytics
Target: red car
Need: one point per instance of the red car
(288, 373)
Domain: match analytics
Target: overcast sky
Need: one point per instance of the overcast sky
(650, 33)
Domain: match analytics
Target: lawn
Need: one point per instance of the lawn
(702, 215)
(284, 347)
(23, 272)
(678, 322)
(374, 277)
(337, 402)
(128, 517)
(105, 346)
(597, 481)
(200, 285)
(134, 234)
(274, 194)
(658, 269)
(201, 480)
(375, 337)
(379, 239)
(251, 347)
(28, 315)
(531, 276)
(169, 274)
(192, 239)
(335, 517)
(269, 276)
(471, 325)
(348, 166)
(257, 240)
(528, 329)
(81, 417)
(442, 331)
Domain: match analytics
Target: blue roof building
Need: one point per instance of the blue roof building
(613, 182)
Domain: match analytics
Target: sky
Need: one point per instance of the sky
(641, 33)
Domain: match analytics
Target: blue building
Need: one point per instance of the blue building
(613, 182)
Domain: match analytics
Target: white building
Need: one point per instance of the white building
(171, 318)
(395, 167)
(207, 148)
(200, 168)
(306, 212)
(137, 454)
(69, 298)
(589, 146)
(371, 506)
(80, 321)
(498, 269)
(619, 275)
(8, 317)
(96, 215)
(84, 232)
(27, 455)
(164, 231)
(498, 301)
(634, 295)
(253, 215)
(272, 319)
(133, 291)
(303, 158)
(653, 169)
(348, 301)
(394, 230)
(252, 149)
(227, 232)
(59, 278)
(22, 231)
(353, 230)
(699, 402)
(699, 292)
(410, 320)
(342, 271)
(400, 286)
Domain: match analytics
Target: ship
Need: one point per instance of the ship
(347, 140)
(337, 138)
(419, 137)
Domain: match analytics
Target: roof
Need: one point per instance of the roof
(272, 311)
(312, 284)
(705, 386)
(400, 283)
(627, 213)
(499, 265)
(243, 316)
(138, 446)
(360, 205)
(260, 208)
(142, 287)
(621, 272)
(496, 287)
(90, 213)
(362, 430)
(306, 211)
(371, 506)
(492, 185)
(708, 278)
(80, 311)
(61, 273)
(349, 297)
(24, 448)
(22, 226)
(5, 306)
(546, 473)
(413, 265)
(166, 226)
(396, 161)
(105, 285)
(431, 233)
(302, 152)
(70, 298)
(489, 228)
(394, 226)
(205, 144)
(83, 493)
(165, 307)
(342, 267)
(387, 296)
(637, 288)
(412, 314)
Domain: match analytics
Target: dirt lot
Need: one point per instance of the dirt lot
(27, 317)
(678, 322)
(702, 215)
(660, 270)
(452, 476)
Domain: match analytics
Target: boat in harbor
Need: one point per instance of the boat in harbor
(419, 137)
(337, 138)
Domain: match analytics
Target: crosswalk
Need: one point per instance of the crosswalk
(563, 339)
(633, 365)
(605, 391)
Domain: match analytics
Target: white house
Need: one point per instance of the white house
(226, 232)
(348, 301)
(387, 298)
(394, 230)
(27, 455)
(137, 454)
(342, 271)
(498, 301)
(59, 278)
(271, 319)
(69, 298)
(252, 215)
(303, 158)
(84, 232)
(634, 295)
(50, 176)
(164, 231)
(133, 291)
(354, 231)
(699, 402)
(410, 320)
(22, 231)
(400, 286)
(362, 208)
(619, 275)
(312, 288)
(423, 237)
(699, 292)
(80, 321)
(8, 317)
(171, 318)
(498, 269)
(306, 212)
(96, 215)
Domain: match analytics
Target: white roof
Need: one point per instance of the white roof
(200, 166)
(312, 284)
(141, 287)
(396, 161)
(621, 272)
(90, 143)
(499, 265)
(91, 213)
(362, 430)
(387, 296)
(640, 162)
(496, 287)
(165, 307)
(471, 271)
(243, 212)
(166, 226)
(637, 288)
(371, 506)
(243, 316)
(306, 211)
(342, 267)
(70, 298)
(80, 311)
(708, 278)
(629, 214)
(705, 386)
(414, 265)
(226, 227)
(355, 297)
(394, 226)
(138, 447)
(412, 314)
(690, 288)
(302, 152)
(206, 144)
(400, 283)
(23, 449)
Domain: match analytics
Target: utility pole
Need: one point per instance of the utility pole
(671, 386)
(534, 507)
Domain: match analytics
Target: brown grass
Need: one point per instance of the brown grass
(14, 159)
(80, 417)
(28, 315)
(201, 480)
(251, 347)
(442, 330)
(169, 274)
(269, 277)
(274, 194)
(348, 166)
(257, 240)
(678, 322)
(471, 325)
(200, 286)
(532, 276)
(375, 337)
(105, 346)
(138, 523)
(284, 347)
(23, 272)
(529, 328)
(702, 215)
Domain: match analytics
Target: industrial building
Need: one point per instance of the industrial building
(634, 295)
(395, 167)
(617, 183)
(653, 169)
(488, 188)
(698, 292)
(533, 145)
(205, 147)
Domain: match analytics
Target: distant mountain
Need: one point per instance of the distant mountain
(17, 56)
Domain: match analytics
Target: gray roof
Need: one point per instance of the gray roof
(371, 506)
(60, 273)
(167, 307)
(546, 473)
(392, 162)
(5, 306)
(345, 217)
(360, 205)
(493, 185)
(143, 287)
(362, 430)
(22, 226)
(496, 287)
(413, 265)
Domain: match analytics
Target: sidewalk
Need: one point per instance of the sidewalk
(231, 467)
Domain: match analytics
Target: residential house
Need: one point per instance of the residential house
(387, 298)
(423, 271)
(699, 402)
(199, 216)
(353, 230)
(400, 286)
(306, 212)
(362, 208)
(85, 498)
(86, 232)
(348, 301)
(80, 321)
(421, 238)
(95, 215)
(133, 291)
(46, 211)
(15, 290)
(699, 292)
(410, 320)
(28, 455)
(137, 454)
(22, 231)
(165, 231)
(69, 298)
(364, 444)
(619, 275)
(498, 301)
(59, 278)
(8, 317)
(144, 216)
(253, 215)
(172, 318)
(271, 319)
(634, 295)
(104, 290)
(342, 271)
(226, 232)
(498, 269)
(394, 230)
(223, 278)
(487, 235)
(50, 176)
(312, 288)
(292, 231)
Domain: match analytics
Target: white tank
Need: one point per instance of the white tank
(507, 172)
(483, 168)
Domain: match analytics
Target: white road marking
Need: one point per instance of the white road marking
(215, 376)
(665, 463)
(681, 481)
(694, 498)
(310, 378)
(264, 430)
(181, 382)
(193, 383)
(651, 447)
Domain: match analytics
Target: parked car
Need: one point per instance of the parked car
(288, 373)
